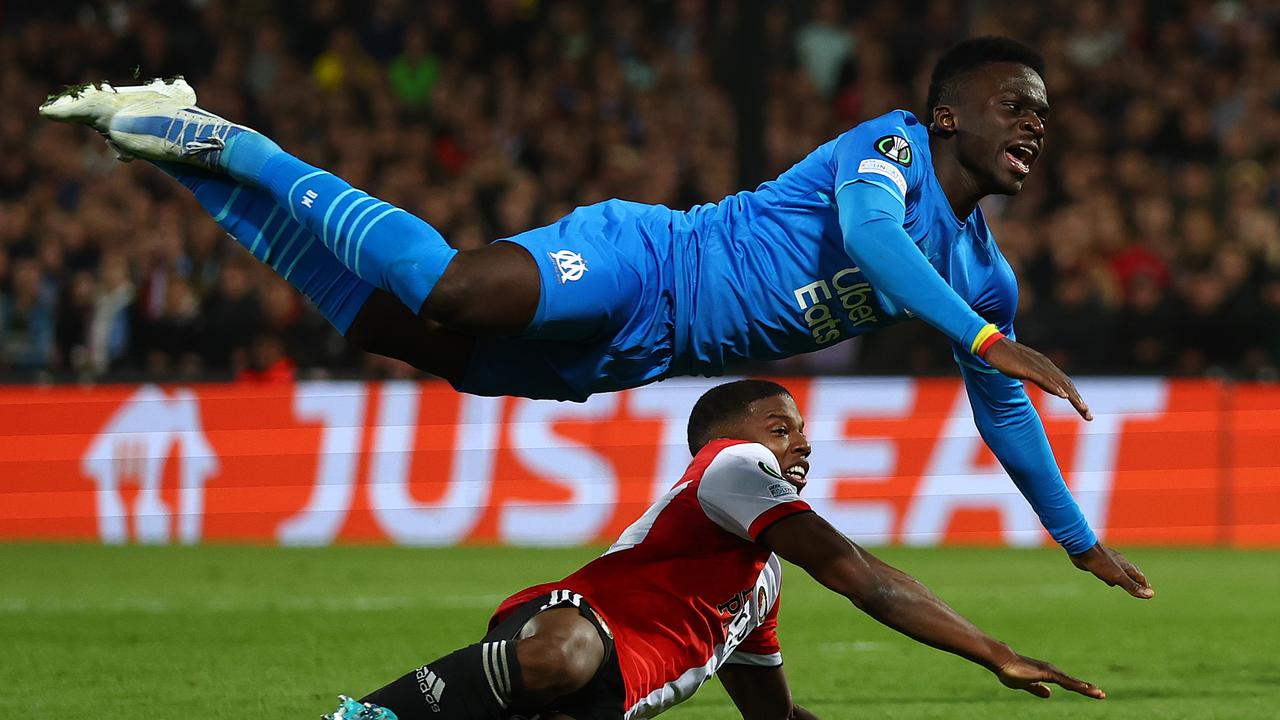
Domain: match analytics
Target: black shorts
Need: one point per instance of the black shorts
(600, 699)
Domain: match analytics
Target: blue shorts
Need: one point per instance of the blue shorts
(605, 317)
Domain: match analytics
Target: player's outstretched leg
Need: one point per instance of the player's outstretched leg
(374, 319)
(557, 653)
(381, 243)
(495, 292)
(251, 216)
(246, 213)
(475, 683)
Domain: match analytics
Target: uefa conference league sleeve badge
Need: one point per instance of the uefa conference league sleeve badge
(896, 148)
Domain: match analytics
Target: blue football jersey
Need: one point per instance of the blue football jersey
(764, 274)
(653, 293)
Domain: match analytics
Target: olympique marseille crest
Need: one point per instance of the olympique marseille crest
(895, 148)
(570, 265)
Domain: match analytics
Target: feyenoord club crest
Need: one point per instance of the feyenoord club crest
(895, 148)
(570, 265)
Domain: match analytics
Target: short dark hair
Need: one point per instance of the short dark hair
(971, 54)
(724, 404)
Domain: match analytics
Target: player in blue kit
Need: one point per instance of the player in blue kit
(878, 225)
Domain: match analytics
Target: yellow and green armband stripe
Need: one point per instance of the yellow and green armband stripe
(985, 338)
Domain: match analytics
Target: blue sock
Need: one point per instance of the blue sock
(251, 216)
(381, 243)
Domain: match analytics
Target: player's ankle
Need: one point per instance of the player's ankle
(246, 156)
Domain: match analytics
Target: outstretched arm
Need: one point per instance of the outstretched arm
(904, 604)
(1011, 428)
(871, 220)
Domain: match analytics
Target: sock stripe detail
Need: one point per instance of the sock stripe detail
(342, 219)
(260, 224)
(505, 671)
(488, 656)
(296, 183)
(253, 247)
(230, 201)
(365, 232)
(266, 255)
(324, 225)
(284, 253)
(499, 658)
(488, 673)
(346, 257)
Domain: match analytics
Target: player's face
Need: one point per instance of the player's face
(1000, 125)
(775, 422)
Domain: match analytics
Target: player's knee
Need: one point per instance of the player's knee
(407, 279)
(561, 663)
(381, 325)
(448, 300)
(486, 291)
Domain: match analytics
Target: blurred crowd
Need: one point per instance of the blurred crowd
(1146, 241)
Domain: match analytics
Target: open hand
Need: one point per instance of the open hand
(1019, 361)
(1024, 673)
(1113, 568)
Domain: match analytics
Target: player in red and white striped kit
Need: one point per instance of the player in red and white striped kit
(688, 591)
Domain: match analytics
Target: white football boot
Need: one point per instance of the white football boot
(94, 104)
(156, 121)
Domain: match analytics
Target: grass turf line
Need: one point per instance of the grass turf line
(230, 632)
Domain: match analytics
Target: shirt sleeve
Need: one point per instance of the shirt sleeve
(743, 491)
(760, 647)
(1009, 425)
(877, 173)
(880, 152)
(875, 239)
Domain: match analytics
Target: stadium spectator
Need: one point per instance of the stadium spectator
(26, 319)
(232, 319)
(109, 329)
(414, 73)
(823, 44)
(1163, 167)
(269, 363)
(71, 332)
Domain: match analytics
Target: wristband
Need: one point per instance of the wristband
(985, 338)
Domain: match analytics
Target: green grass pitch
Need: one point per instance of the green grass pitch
(236, 632)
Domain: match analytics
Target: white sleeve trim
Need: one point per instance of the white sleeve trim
(847, 183)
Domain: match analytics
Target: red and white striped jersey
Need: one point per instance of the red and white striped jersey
(686, 588)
